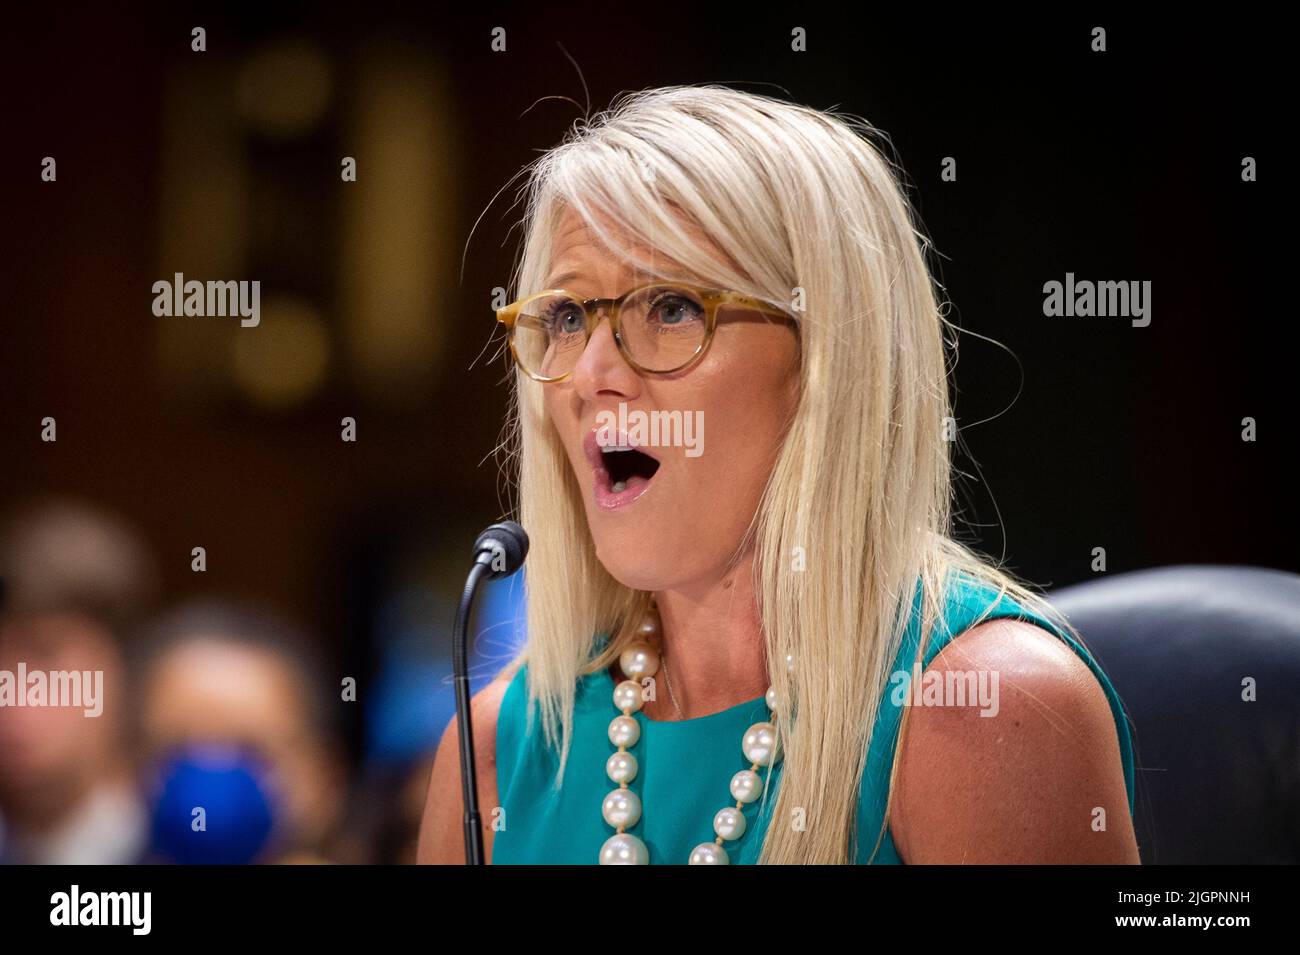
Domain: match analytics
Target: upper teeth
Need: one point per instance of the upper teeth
(624, 447)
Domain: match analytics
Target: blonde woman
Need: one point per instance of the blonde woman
(758, 642)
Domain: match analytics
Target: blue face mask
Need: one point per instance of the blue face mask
(211, 805)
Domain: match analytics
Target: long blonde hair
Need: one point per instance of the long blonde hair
(808, 211)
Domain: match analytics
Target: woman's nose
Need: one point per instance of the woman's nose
(601, 368)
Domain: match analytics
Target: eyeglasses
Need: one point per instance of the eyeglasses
(660, 329)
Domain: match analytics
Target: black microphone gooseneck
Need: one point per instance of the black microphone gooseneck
(499, 551)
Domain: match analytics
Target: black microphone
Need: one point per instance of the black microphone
(503, 548)
(499, 551)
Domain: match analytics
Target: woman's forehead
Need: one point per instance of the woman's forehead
(579, 250)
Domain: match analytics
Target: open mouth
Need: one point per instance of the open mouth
(626, 465)
(623, 472)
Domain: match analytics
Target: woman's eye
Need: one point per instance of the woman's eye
(676, 310)
(566, 320)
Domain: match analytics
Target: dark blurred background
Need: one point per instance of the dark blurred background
(376, 305)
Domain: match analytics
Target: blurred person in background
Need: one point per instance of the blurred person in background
(73, 580)
(237, 724)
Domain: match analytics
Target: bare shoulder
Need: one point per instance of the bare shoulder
(1029, 771)
(442, 839)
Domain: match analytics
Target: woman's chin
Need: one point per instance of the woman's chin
(638, 575)
(641, 564)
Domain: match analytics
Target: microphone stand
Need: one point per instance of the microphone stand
(460, 671)
(499, 551)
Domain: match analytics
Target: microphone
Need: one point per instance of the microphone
(502, 547)
(498, 552)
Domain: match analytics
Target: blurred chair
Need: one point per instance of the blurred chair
(1218, 778)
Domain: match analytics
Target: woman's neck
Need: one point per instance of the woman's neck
(713, 647)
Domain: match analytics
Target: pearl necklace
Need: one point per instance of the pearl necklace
(622, 807)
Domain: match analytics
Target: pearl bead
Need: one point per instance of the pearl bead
(746, 786)
(789, 663)
(621, 807)
(729, 823)
(759, 745)
(623, 848)
(639, 661)
(650, 628)
(621, 767)
(709, 853)
(627, 696)
(624, 731)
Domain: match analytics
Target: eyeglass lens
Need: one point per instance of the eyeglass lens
(662, 327)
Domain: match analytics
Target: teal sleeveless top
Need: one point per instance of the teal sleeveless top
(685, 766)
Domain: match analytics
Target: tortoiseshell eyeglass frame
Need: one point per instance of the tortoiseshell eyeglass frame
(711, 298)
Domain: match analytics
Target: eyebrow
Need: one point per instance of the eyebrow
(560, 279)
